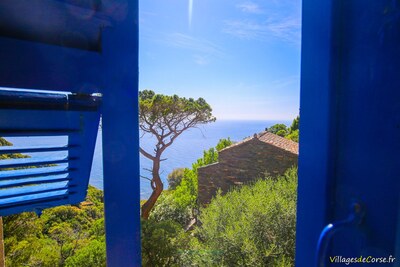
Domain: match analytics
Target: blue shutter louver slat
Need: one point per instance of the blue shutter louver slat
(48, 175)
(36, 132)
(13, 150)
(32, 189)
(39, 198)
(33, 180)
(34, 172)
(28, 162)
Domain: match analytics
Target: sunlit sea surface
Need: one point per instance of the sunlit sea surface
(186, 149)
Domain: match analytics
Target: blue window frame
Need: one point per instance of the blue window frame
(349, 81)
(349, 143)
(85, 48)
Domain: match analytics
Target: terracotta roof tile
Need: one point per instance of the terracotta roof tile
(237, 143)
(271, 139)
(280, 142)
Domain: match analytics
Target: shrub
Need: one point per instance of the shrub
(162, 243)
(91, 255)
(251, 226)
(175, 178)
(294, 136)
(169, 209)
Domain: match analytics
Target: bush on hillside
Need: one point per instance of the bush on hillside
(162, 243)
(61, 233)
(251, 226)
(175, 178)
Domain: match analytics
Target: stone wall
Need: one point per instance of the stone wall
(241, 164)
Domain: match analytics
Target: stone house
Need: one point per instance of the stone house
(263, 154)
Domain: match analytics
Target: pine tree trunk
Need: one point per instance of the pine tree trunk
(157, 186)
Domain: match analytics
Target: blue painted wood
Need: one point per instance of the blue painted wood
(33, 172)
(41, 121)
(35, 180)
(368, 112)
(65, 69)
(53, 22)
(41, 200)
(13, 99)
(32, 162)
(37, 60)
(121, 141)
(8, 132)
(11, 150)
(315, 147)
(34, 189)
(68, 115)
(84, 154)
(350, 81)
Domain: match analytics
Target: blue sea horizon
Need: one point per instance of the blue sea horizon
(186, 149)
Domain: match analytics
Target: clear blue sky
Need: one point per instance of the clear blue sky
(243, 57)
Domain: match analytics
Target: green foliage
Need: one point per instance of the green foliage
(156, 108)
(33, 252)
(291, 133)
(294, 130)
(91, 255)
(175, 178)
(294, 136)
(185, 193)
(170, 208)
(281, 133)
(61, 233)
(295, 124)
(4, 142)
(211, 155)
(251, 226)
(165, 118)
(162, 243)
(178, 205)
(22, 226)
(97, 230)
(223, 143)
(278, 128)
(172, 213)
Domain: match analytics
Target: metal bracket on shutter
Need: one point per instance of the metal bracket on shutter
(355, 217)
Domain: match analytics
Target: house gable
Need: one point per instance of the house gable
(243, 162)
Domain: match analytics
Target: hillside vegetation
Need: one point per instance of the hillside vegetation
(291, 133)
(252, 225)
(61, 236)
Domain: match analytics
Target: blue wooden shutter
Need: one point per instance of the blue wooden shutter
(349, 186)
(82, 47)
(47, 178)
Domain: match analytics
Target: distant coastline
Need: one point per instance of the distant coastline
(187, 148)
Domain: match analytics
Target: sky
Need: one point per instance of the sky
(242, 57)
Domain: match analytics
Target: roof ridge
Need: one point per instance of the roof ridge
(279, 141)
(272, 139)
(246, 139)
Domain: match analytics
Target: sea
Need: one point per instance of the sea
(186, 149)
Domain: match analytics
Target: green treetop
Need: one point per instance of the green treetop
(166, 117)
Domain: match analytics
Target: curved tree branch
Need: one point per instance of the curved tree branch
(146, 154)
(167, 117)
